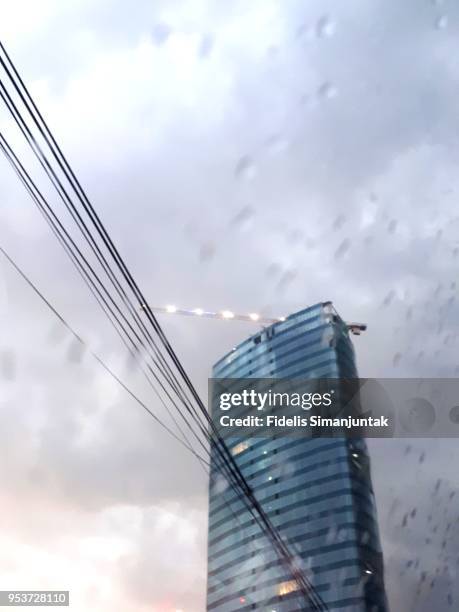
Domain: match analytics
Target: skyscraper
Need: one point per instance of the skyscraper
(317, 491)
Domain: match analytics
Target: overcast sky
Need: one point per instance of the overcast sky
(256, 156)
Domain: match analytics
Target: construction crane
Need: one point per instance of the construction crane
(228, 315)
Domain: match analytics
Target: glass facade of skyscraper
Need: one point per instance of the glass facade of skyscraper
(317, 491)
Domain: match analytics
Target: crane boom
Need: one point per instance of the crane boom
(226, 315)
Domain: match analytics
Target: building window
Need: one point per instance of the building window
(240, 448)
(284, 588)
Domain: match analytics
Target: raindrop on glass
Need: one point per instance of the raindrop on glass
(276, 144)
(295, 236)
(389, 298)
(207, 251)
(327, 91)
(368, 241)
(287, 277)
(339, 222)
(454, 415)
(325, 27)
(242, 219)
(245, 168)
(160, 33)
(131, 362)
(373, 197)
(418, 415)
(220, 485)
(343, 248)
(442, 22)
(7, 365)
(205, 46)
(75, 351)
(57, 333)
(273, 269)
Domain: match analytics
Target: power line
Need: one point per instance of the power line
(177, 379)
(15, 266)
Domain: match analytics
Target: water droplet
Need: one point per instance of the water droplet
(7, 365)
(245, 168)
(220, 485)
(287, 277)
(276, 144)
(327, 91)
(57, 333)
(308, 101)
(331, 535)
(272, 51)
(273, 269)
(207, 251)
(343, 248)
(391, 228)
(454, 415)
(442, 22)
(368, 241)
(339, 222)
(75, 351)
(160, 33)
(325, 27)
(295, 237)
(131, 362)
(206, 45)
(242, 219)
(389, 298)
(397, 358)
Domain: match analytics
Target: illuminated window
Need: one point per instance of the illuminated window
(285, 588)
(240, 448)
